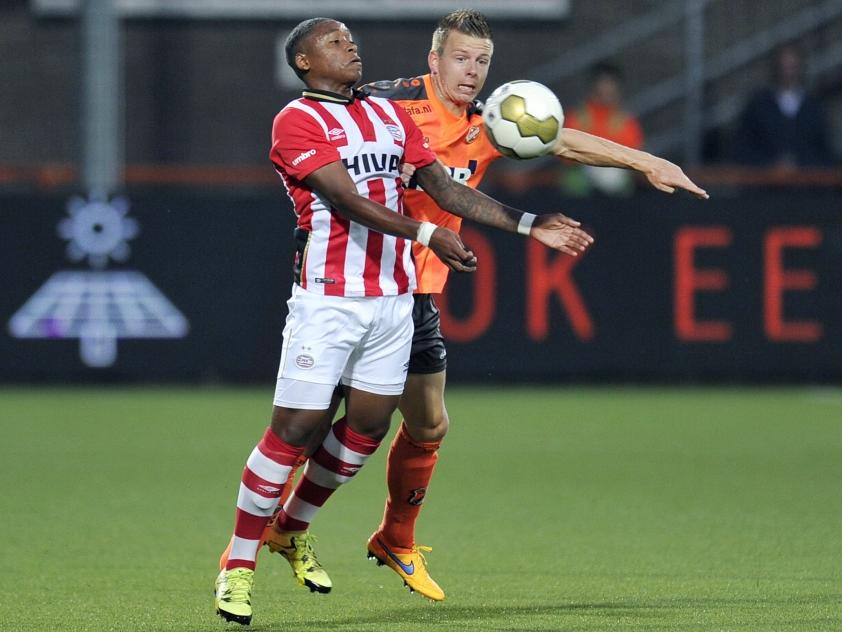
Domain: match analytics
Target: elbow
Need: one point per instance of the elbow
(563, 142)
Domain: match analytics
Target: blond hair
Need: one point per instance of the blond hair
(465, 21)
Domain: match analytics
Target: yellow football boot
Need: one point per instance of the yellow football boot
(297, 548)
(232, 595)
(411, 566)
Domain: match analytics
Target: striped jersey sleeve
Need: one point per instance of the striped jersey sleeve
(300, 144)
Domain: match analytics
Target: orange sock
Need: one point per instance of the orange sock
(409, 469)
(223, 559)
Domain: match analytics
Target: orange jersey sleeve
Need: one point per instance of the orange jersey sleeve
(459, 142)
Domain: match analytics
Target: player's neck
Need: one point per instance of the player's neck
(456, 108)
(326, 85)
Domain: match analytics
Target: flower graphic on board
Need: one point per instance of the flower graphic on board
(99, 306)
(98, 230)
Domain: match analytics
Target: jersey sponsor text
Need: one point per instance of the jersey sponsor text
(365, 164)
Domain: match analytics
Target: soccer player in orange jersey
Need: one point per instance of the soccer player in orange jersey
(443, 105)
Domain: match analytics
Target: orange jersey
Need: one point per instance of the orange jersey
(607, 122)
(459, 142)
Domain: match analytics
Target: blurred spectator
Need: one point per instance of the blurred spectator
(782, 125)
(602, 114)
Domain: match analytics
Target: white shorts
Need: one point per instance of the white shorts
(364, 342)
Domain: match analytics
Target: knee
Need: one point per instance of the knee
(293, 434)
(374, 428)
(298, 430)
(428, 428)
(370, 414)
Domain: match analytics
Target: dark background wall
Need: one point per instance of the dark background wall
(205, 91)
(735, 288)
(674, 289)
(196, 91)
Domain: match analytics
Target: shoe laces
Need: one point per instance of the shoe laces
(304, 550)
(238, 585)
(420, 550)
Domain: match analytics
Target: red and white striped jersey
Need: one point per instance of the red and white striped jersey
(372, 137)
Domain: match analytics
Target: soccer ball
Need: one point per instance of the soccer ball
(523, 119)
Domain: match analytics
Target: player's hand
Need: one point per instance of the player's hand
(449, 248)
(667, 177)
(561, 233)
(407, 171)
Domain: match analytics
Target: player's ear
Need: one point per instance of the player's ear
(433, 62)
(302, 62)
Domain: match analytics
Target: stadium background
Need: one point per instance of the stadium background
(705, 496)
(213, 224)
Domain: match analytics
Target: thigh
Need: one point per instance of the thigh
(320, 334)
(429, 354)
(379, 364)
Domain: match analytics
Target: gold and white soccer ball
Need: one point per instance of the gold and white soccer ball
(523, 119)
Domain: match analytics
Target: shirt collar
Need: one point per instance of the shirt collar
(473, 108)
(332, 97)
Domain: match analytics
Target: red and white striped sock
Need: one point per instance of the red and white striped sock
(337, 460)
(264, 476)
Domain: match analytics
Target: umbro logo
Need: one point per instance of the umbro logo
(266, 489)
(336, 133)
(348, 470)
(303, 156)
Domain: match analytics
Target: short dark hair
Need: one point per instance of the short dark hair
(465, 21)
(605, 69)
(295, 39)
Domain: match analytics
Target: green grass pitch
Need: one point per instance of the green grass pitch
(552, 509)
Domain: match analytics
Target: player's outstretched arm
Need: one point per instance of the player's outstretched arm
(335, 185)
(599, 152)
(554, 230)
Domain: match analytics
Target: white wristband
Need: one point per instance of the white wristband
(525, 223)
(425, 231)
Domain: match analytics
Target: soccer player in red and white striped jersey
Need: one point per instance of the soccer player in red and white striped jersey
(350, 314)
(371, 137)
